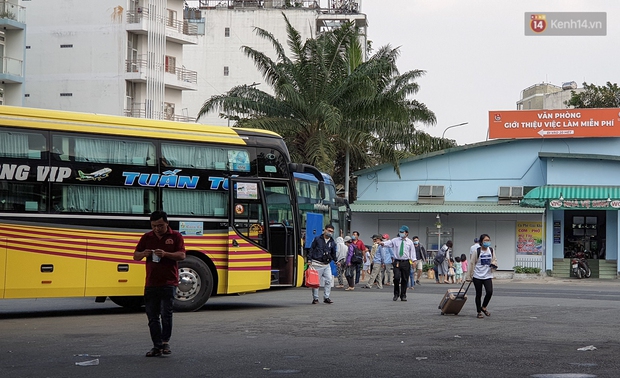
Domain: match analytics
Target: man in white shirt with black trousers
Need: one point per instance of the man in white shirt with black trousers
(403, 253)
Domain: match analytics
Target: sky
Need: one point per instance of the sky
(477, 57)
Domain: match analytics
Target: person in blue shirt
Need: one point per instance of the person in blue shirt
(388, 270)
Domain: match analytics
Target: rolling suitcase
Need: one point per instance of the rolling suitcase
(453, 301)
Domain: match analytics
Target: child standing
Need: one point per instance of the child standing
(464, 264)
(451, 271)
(458, 270)
(367, 262)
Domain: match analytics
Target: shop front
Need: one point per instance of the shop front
(581, 221)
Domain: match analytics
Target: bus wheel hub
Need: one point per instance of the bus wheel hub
(189, 284)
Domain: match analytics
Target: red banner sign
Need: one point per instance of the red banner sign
(567, 123)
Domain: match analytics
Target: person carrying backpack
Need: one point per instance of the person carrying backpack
(483, 262)
(441, 261)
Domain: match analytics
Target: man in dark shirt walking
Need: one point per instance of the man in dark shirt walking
(163, 248)
(322, 252)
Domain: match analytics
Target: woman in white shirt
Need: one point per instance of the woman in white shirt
(480, 271)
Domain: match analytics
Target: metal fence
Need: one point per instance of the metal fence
(530, 262)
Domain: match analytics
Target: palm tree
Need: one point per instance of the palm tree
(327, 99)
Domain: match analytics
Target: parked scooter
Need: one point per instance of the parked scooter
(581, 269)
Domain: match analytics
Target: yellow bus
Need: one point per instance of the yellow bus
(76, 190)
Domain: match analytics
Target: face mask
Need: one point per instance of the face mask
(401, 234)
(416, 242)
(486, 244)
(353, 237)
(328, 234)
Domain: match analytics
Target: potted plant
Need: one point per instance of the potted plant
(525, 273)
(428, 269)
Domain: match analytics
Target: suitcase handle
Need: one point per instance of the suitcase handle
(459, 292)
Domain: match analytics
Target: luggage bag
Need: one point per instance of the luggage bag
(453, 301)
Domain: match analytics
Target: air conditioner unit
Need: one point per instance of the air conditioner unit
(431, 194)
(510, 194)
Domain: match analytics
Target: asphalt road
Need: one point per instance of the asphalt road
(534, 330)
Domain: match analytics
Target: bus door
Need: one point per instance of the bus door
(249, 262)
(281, 232)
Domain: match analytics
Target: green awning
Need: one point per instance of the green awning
(573, 197)
(448, 207)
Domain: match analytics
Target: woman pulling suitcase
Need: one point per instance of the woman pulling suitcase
(483, 264)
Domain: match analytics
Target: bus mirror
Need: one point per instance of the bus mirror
(322, 189)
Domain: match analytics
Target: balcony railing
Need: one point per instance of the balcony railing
(141, 113)
(12, 11)
(182, 74)
(12, 66)
(137, 15)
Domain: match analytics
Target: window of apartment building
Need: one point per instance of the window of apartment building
(171, 63)
(172, 16)
(226, 32)
(132, 53)
(226, 71)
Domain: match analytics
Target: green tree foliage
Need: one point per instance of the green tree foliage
(607, 96)
(328, 102)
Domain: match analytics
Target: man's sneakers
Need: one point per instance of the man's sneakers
(395, 298)
(404, 299)
(326, 300)
(417, 282)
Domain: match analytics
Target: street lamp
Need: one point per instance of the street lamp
(449, 127)
(438, 224)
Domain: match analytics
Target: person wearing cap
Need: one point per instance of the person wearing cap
(403, 251)
(322, 252)
(350, 268)
(474, 248)
(378, 263)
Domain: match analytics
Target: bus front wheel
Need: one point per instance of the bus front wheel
(195, 284)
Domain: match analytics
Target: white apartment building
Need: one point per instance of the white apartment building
(154, 58)
(547, 96)
(12, 51)
(108, 56)
(230, 24)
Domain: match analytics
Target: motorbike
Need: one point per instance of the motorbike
(580, 266)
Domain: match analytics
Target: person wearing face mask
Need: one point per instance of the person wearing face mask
(322, 252)
(403, 251)
(483, 262)
(421, 257)
(355, 240)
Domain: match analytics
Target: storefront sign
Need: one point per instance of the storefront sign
(567, 123)
(529, 238)
(560, 204)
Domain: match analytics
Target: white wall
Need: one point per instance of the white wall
(501, 228)
(214, 51)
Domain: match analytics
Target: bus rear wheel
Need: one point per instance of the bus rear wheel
(195, 284)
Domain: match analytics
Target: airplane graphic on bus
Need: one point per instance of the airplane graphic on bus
(97, 175)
